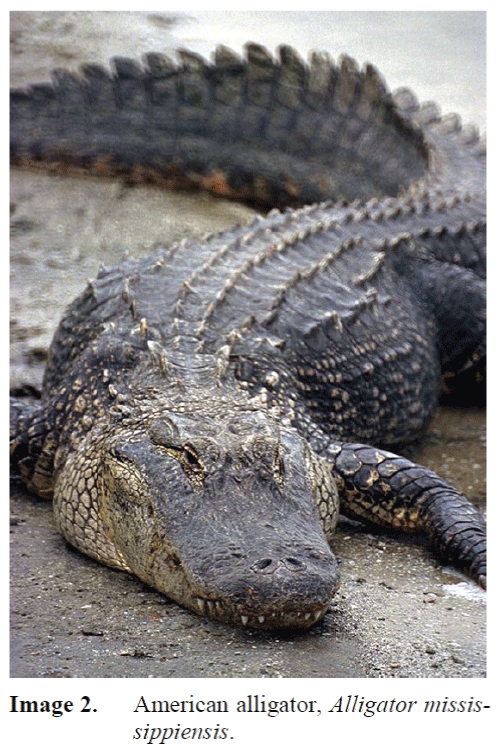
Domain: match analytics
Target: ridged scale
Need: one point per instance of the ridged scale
(252, 272)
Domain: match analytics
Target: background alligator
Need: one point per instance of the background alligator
(376, 275)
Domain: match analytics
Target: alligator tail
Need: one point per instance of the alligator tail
(273, 131)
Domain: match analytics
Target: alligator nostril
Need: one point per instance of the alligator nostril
(266, 566)
(262, 564)
(269, 565)
(292, 563)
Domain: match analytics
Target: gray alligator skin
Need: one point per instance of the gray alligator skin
(209, 409)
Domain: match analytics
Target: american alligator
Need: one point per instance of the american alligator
(208, 410)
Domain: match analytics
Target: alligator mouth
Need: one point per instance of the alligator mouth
(269, 620)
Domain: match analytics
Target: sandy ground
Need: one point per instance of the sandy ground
(398, 614)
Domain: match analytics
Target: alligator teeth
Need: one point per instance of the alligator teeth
(208, 606)
(211, 608)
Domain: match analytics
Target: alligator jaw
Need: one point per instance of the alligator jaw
(281, 620)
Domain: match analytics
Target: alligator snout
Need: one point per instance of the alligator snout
(270, 588)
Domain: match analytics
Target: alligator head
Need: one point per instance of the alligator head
(221, 508)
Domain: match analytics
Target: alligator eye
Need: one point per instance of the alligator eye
(267, 451)
(191, 464)
(278, 466)
(189, 460)
(192, 459)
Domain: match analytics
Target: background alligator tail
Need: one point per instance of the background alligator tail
(275, 131)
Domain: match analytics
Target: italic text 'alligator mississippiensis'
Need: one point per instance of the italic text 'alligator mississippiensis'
(208, 409)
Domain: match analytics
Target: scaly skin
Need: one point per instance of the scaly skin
(208, 409)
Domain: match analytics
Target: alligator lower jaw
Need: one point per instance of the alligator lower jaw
(281, 620)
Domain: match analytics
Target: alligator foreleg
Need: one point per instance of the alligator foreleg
(386, 489)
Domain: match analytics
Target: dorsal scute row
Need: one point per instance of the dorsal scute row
(275, 256)
(263, 79)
